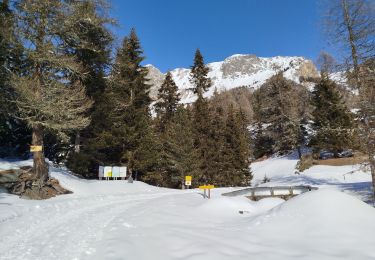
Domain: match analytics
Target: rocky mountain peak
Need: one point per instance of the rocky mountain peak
(237, 71)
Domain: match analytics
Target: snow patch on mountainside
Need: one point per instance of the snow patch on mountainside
(239, 70)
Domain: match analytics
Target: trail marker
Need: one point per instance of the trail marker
(107, 172)
(123, 172)
(115, 172)
(36, 148)
(206, 188)
(101, 172)
(188, 180)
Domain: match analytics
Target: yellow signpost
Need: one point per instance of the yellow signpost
(36, 148)
(207, 188)
(188, 180)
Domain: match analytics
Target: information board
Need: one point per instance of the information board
(107, 171)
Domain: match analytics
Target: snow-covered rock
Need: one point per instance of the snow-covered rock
(237, 71)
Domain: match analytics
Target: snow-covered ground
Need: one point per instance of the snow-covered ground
(352, 179)
(118, 220)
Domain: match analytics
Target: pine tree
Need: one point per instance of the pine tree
(262, 142)
(167, 103)
(238, 149)
(176, 152)
(198, 75)
(6, 28)
(92, 46)
(243, 149)
(127, 136)
(201, 83)
(219, 157)
(280, 109)
(333, 123)
(165, 172)
(49, 94)
(91, 43)
(183, 156)
(14, 134)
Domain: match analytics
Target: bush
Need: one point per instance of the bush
(79, 164)
(305, 162)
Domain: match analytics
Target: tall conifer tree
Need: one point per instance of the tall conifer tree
(237, 149)
(280, 110)
(166, 107)
(92, 46)
(14, 134)
(127, 136)
(201, 83)
(167, 103)
(182, 156)
(219, 157)
(333, 123)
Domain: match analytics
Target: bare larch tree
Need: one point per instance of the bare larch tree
(49, 94)
(351, 24)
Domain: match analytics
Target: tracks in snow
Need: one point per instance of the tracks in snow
(66, 228)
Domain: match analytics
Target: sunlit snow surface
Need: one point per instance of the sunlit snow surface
(118, 220)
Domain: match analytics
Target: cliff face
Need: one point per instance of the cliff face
(237, 71)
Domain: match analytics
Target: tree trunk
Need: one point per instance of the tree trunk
(372, 167)
(77, 143)
(299, 152)
(40, 167)
(366, 128)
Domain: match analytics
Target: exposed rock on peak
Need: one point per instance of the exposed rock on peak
(237, 71)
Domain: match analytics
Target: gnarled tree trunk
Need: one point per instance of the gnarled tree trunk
(40, 167)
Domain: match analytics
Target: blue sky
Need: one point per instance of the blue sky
(171, 30)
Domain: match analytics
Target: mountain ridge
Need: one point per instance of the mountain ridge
(235, 71)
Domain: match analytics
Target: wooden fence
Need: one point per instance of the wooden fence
(257, 193)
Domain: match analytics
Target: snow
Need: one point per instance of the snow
(328, 223)
(281, 170)
(244, 70)
(119, 220)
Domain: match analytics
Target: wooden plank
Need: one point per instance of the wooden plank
(273, 191)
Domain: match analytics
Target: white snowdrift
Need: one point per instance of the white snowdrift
(118, 220)
(281, 170)
(324, 224)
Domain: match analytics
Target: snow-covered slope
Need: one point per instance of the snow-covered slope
(352, 179)
(118, 220)
(237, 71)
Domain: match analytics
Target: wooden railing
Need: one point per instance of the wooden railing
(257, 193)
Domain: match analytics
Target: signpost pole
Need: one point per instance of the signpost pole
(206, 190)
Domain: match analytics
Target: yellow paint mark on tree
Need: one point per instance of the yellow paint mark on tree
(36, 148)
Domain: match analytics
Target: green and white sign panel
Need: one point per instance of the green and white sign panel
(107, 171)
(101, 172)
(115, 172)
(123, 170)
